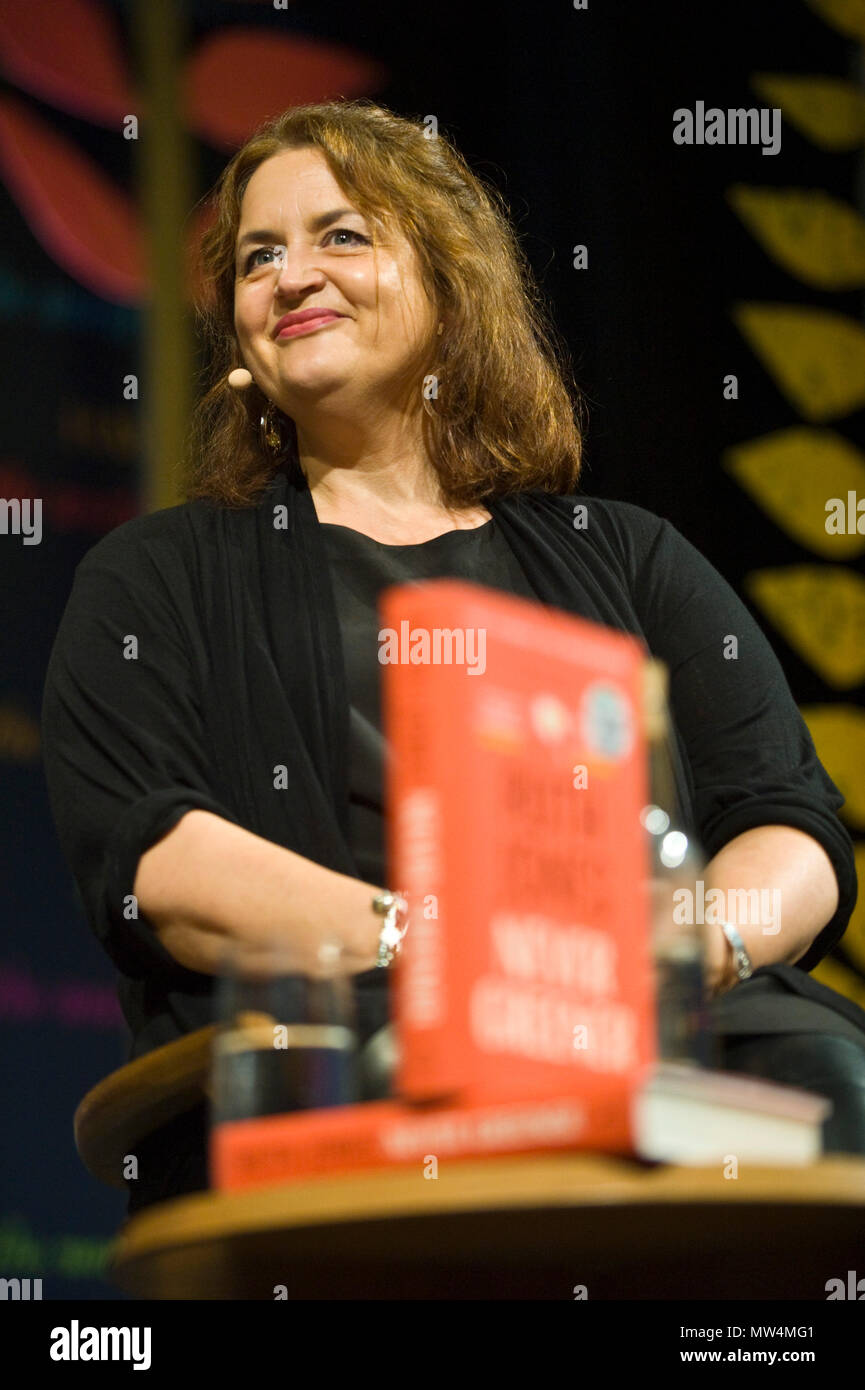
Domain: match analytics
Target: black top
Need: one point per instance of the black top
(240, 666)
(360, 568)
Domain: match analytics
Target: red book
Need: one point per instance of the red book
(523, 995)
(515, 781)
(310, 1143)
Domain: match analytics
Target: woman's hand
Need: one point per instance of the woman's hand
(347, 917)
(719, 971)
(214, 892)
(775, 865)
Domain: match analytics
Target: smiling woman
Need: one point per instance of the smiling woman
(389, 408)
(387, 405)
(333, 326)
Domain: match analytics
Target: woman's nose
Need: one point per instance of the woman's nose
(295, 271)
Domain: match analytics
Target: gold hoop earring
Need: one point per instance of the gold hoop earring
(270, 430)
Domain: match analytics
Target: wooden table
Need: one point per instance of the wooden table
(510, 1228)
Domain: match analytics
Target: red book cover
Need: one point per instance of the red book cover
(348, 1138)
(515, 779)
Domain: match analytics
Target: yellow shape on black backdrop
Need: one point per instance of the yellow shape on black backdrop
(818, 238)
(816, 356)
(820, 609)
(853, 940)
(838, 732)
(834, 975)
(792, 474)
(829, 111)
(846, 15)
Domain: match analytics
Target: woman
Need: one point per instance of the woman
(211, 718)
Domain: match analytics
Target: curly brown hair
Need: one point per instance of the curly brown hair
(506, 415)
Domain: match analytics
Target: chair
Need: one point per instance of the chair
(135, 1100)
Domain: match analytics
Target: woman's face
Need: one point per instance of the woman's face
(286, 262)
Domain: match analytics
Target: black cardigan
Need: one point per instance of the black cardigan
(239, 668)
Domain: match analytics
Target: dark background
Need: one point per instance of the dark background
(570, 114)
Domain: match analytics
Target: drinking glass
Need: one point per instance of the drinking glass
(287, 1035)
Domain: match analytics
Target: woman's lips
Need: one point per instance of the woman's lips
(292, 330)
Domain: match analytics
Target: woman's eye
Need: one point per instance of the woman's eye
(347, 231)
(252, 262)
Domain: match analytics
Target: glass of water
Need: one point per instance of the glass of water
(287, 1037)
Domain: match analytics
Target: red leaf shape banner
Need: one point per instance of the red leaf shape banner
(240, 78)
(83, 222)
(68, 55)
